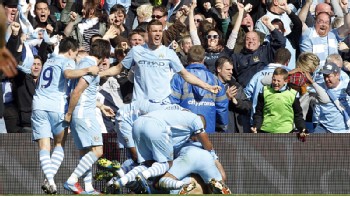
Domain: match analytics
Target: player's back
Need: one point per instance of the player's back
(87, 102)
(182, 124)
(51, 91)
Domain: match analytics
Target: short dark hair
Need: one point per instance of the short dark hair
(38, 57)
(221, 61)
(280, 24)
(100, 48)
(41, 1)
(95, 36)
(282, 56)
(281, 71)
(153, 22)
(196, 54)
(161, 9)
(67, 44)
(118, 8)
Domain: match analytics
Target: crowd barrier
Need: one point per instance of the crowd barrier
(254, 163)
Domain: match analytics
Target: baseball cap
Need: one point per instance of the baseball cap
(324, 8)
(11, 2)
(330, 68)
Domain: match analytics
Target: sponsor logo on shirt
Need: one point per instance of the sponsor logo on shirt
(151, 63)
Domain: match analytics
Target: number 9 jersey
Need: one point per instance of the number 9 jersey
(52, 87)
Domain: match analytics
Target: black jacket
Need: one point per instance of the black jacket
(25, 86)
(247, 63)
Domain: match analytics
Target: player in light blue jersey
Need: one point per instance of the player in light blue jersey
(156, 135)
(49, 103)
(84, 125)
(192, 158)
(125, 118)
(154, 66)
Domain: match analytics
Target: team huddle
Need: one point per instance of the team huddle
(166, 143)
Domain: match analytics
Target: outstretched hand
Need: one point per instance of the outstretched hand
(8, 64)
(214, 89)
(107, 111)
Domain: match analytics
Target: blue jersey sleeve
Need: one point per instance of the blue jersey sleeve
(128, 61)
(175, 62)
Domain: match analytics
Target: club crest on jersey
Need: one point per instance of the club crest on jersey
(256, 59)
(161, 55)
(126, 140)
(96, 138)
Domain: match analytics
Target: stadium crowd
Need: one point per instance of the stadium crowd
(145, 69)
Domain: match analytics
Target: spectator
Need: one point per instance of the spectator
(278, 107)
(93, 22)
(173, 6)
(8, 64)
(333, 116)
(232, 39)
(26, 85)
(43, 19)
(321, 39)
(136, 38)
(109, 94)
(214, 48)
(276, 9)
(337, 60)
(299, 79)
(117, 17)
(171, 32)
(239, 104)
(254, 87)
(10, 10)
(198, 18)
(144, 14)
(247, 25)
(255, 56)
(10, 115)
(213, 107)
(56, 9)
(185, 45)
(292, 41)
(108, 4)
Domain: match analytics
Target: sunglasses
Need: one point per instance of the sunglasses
(212, 36)
(198, 20)
(156, 16)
